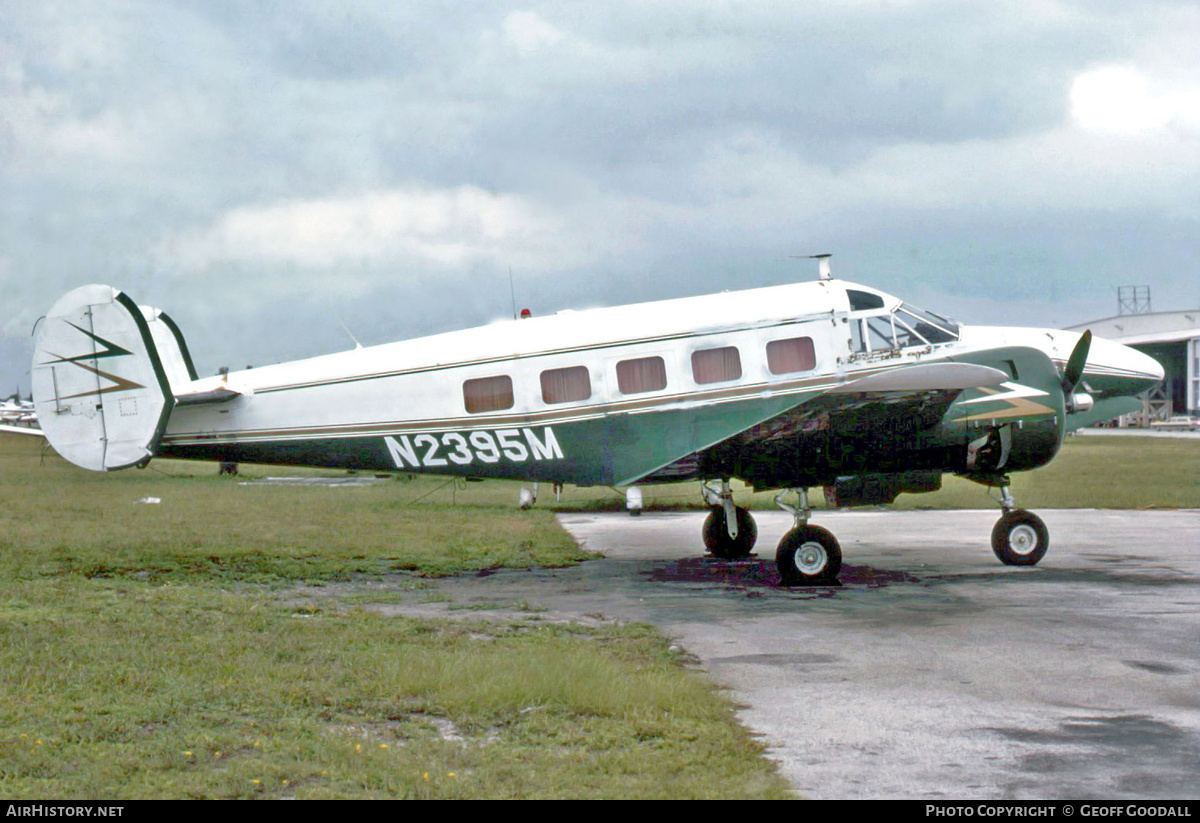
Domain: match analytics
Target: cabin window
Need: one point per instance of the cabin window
(716, 365)
(791, 355)
(566, 385)
(488, 394)
(641, 375)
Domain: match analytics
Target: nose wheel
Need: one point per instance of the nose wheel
(1019, 538)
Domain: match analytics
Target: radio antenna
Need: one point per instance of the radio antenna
(512, 292)
(823, 271)
(346, 329)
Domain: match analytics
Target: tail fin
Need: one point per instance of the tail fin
(100, 389)
(172, 350)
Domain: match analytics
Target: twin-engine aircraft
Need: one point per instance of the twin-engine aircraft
(823, 383)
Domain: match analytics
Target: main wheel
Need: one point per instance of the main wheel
(716, 534)
(1020, 538)
(807, 556)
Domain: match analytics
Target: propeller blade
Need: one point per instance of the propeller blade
(1075, 364)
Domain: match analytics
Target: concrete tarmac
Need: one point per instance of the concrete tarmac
(933, 671)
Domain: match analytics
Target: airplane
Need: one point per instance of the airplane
(17, 415)
(823, 383)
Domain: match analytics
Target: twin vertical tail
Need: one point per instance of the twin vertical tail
(103, 371)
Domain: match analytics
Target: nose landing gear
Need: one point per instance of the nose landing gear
(1019, 538)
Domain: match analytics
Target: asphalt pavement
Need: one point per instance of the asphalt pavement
(933, 671)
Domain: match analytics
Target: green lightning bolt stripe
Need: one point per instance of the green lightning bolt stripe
(121, 383)
(110, 349)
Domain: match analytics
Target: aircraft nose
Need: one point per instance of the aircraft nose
(1115, 369)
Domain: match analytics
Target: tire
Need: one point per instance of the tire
(808, 556)
(716, 535)
(1020, 538)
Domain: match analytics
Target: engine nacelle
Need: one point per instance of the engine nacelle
(876, 489)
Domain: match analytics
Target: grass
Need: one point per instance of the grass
(1116, 473)
(211, 527)
(152, 651)
(115, 689)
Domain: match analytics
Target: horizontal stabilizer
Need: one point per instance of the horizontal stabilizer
(221, 395)
(4, 427)
(925, 377)
(100, 391)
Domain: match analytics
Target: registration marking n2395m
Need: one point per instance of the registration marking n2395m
(463, 448)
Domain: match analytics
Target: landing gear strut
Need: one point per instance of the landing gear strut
(729, 531)
(807, 555)
(1019, 538)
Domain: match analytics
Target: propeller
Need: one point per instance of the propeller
(1073, 373)
(1076, 362)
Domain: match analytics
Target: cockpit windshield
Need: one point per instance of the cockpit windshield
(932, 327)
(902, 328)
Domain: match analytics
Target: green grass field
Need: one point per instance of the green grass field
(151, 650)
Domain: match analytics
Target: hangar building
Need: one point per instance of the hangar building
(1173, 339)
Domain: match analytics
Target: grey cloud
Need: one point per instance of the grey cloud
(684, 147)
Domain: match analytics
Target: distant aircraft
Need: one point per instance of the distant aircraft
(17, 415)
(822, 383)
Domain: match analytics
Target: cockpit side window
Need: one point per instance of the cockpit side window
(857, 344)
(879, 332)
(905, 336)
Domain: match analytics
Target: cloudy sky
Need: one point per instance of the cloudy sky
(266, 172)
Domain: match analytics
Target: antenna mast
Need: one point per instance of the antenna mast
(823, 271)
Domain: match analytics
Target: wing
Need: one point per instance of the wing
(876, 422)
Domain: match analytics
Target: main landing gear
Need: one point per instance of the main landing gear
(1019, 538)
(807, 555)
(729, 531)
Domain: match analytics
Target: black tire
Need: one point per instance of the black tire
(1020, 538)
(808, 556)
(716, 535)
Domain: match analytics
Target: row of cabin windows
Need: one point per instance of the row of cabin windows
(640, 375)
